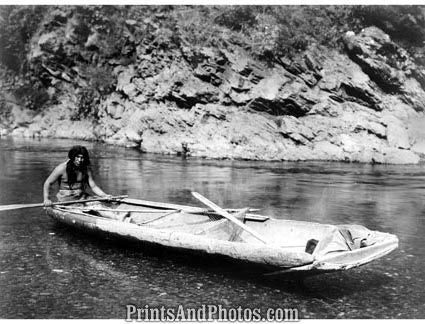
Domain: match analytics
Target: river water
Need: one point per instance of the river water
(48, 271)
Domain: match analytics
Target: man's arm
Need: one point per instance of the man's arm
(96, 190)
(52, 178)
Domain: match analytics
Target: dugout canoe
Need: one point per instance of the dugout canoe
(292, 246)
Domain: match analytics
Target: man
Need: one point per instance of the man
(73, 176)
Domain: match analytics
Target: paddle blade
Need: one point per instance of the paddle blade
(19, 206)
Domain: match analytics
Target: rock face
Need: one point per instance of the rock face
(388, 65)
(361, 105)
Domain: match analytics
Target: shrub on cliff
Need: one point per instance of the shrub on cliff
(196, 26)
(238, 18)
(268, 31)
(301, 26)
(33, 96)
(17, 25)
(87, 105)
(273, 31)
(108, 24)
(101, 82)
(5, 109)
(404, 24)
(101, 79)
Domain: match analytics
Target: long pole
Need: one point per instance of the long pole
(21, 206)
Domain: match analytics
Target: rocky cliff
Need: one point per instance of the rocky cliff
(362, 104)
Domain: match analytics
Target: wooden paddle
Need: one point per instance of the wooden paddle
(21, 206)
(117, 210)
(230, 217)
(186, 209)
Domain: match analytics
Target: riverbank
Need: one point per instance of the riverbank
(363, 103)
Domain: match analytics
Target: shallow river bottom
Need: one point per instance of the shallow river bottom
(48, 271)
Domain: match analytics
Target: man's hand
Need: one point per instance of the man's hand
(47, 203)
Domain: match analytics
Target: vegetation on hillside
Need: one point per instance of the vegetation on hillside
(266, 32)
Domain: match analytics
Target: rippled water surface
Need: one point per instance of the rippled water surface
(48, 271)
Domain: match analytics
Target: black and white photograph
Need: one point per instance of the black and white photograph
(226, 162)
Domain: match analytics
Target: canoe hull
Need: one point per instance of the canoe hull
(274, 257)
(252, 253)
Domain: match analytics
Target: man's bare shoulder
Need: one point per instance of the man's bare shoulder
(61, 167)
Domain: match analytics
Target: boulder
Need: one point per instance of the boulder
(349, 144)
(292, 98)
(398, 156)
(209, 73)
(414, 94)
(376, 128)
(210, 65)
(130, 90)
(236, 81)
(115, 110)
(268, 88)
(3, 132)
(244, 99)
(195, 91)
(325, 150)
(19, 116)
(18, 132)
(211, 110)
(294, 129)
(124, 81)
(127, 137)
(419, 148)
(397, 136)
(238, 59)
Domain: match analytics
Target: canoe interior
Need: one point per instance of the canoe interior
(288, 234)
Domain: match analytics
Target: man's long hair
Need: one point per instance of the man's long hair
(71, 168)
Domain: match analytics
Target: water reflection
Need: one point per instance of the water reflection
(49, 272)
